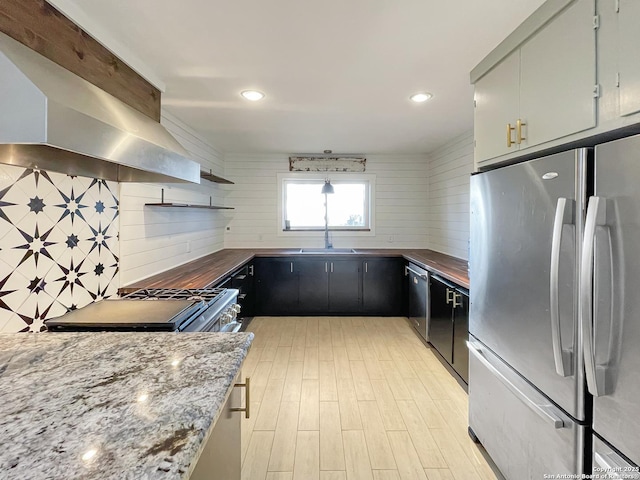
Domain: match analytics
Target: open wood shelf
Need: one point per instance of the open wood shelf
(186, 205)
(162, 203)
(214, 178)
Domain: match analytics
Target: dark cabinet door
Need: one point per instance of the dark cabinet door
(276, 286)
(345, 283)
(461, 335)
(242, 279)
(313, 275)
(383, 289)
(441, 319)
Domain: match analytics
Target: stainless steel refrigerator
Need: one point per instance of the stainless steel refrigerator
(610, 299)
(537, 311)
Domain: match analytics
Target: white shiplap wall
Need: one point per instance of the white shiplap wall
(153, 240)
(400, 203)
(449, 172)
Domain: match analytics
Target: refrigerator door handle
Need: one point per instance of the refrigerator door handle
(596, 216)
(543, 411)
(563, 358)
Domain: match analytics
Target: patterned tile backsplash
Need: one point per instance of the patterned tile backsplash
(59, 245)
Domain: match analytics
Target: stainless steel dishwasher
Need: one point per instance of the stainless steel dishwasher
(418, 298)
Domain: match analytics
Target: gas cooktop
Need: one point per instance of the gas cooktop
(197, 310)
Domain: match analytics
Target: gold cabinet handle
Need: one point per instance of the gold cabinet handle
(457, 300)
(509, 130)
(519, 125)
(247, 397)
(450, 296)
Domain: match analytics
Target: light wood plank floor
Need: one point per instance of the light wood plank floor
(353, 398)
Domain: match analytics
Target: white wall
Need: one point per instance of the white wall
(400, 203)
(448, 217)
(421, 202)
(153, 240)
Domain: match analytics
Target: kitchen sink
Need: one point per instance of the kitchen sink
(327, 250)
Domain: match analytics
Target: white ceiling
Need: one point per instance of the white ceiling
(337, 74)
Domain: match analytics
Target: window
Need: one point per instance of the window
(348, 206)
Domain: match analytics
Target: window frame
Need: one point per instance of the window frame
(336, 178)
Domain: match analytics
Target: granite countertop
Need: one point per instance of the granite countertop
(112, 405)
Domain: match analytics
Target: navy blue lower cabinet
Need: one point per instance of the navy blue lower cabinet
(383, 287)
(449, 323)
(329, 285)
(313, 287)
(345, 286)
(276, 283)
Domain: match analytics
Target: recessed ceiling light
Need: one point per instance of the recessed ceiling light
(252, 95)
(420, 97)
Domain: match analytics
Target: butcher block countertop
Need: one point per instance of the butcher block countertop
(117, 405)
(211, 269)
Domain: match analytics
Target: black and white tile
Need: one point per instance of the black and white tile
(59, 247)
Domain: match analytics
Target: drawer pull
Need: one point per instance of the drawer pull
(247, 397)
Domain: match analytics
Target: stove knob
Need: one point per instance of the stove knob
(225, 318)
(236, 307)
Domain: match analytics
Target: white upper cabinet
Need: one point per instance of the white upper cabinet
(629, 56)
(618, 62)
(497, 97)
(558, 76)
(544, 88)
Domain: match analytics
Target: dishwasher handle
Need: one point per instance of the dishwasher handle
(419, 274)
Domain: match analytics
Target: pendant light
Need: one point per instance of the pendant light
(327, 187)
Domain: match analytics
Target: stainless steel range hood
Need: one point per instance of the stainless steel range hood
(54, 120)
